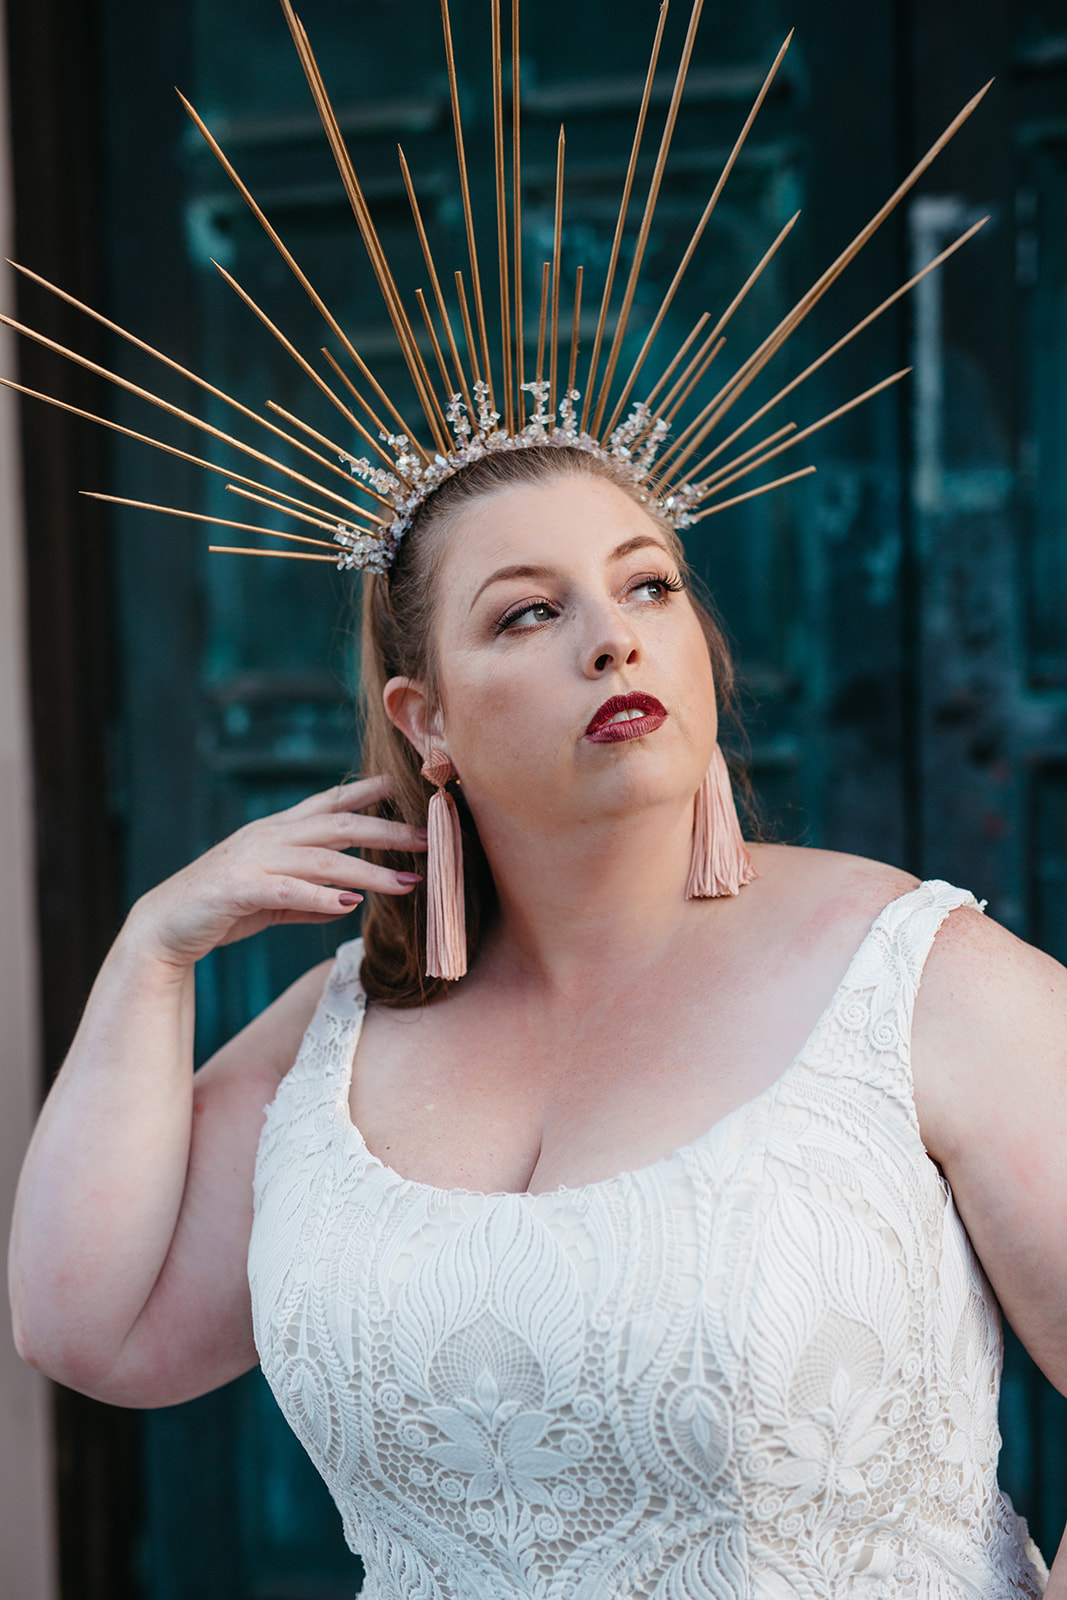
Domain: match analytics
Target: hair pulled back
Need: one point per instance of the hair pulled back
(397, 640)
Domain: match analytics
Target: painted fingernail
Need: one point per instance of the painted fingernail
(408, 878)
(421, 833)
(346, 899)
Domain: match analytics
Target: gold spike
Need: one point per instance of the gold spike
(394, 306)
(472, 250)
(757, 272)
(684, 387)
(275, 505)
(516, 207)
(624, 206)
(748, 371)
(557, 250)
(701, 367)
(750, 494)
(305, 366)
(502, 218)
(646, 220)
(575, 322)
(805, 433)
(350, 386)
(468, 331)
(198, 516)
(663, 409)
(166, 361)
(158, 444)
(313, 433)
(683, 265)
(436, 283)
(546, 272)
(356, 482)
(194, 421)
(741, 295)
(676, 388)
(290, 500)
(446, 381)
(704, 317)
(384, 398)
(834, 348)
(379, 262)
(772, 438)
(297, 271)
(284, 555)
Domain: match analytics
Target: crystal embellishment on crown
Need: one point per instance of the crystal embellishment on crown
(482, 437)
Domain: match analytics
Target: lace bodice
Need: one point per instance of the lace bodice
(763, 1368)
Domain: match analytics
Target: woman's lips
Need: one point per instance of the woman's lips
(626, 716)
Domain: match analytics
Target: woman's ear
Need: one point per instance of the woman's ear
(408, 708)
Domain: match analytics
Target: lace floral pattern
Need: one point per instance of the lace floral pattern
(763, 1368)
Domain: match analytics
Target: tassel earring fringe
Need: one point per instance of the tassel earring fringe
(446, 922)
(720, 863)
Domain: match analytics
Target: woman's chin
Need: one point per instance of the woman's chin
(636, 792)
(637, 780)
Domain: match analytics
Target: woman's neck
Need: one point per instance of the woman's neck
(579, 901)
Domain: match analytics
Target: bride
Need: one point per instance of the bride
(655, 1256)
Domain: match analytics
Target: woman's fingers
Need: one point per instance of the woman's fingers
(290, 867)
(345, 830)
(346, 796)
(297, 896)
(321, 866)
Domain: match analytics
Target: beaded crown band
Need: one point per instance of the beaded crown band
(479, 406)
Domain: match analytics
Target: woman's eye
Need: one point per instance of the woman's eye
(529, 615)
(657, 588)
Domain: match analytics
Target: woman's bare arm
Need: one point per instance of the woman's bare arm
(134, 1208)
(990, 1049)
(134, 1211)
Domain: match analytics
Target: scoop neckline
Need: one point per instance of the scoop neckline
(353, 1133)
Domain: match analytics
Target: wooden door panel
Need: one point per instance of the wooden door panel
(990, 545)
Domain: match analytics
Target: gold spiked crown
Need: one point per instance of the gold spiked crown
(477, 408)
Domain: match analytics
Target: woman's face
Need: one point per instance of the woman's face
(554, 600)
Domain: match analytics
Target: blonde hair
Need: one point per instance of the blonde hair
(399, 611)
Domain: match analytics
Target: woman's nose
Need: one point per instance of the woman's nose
(615, 646)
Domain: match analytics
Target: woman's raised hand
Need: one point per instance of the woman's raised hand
(293, 866)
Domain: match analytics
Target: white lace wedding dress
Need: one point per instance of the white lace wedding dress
(763, 1368)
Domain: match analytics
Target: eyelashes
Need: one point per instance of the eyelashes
(669, 583)
(527, 607)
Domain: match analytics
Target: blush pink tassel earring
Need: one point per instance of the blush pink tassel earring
(446, 922)
(720, 863)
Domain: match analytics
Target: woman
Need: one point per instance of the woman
(642, 1275)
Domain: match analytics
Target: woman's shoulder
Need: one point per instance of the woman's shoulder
(981, 982)
(826, 893)
(987, 989)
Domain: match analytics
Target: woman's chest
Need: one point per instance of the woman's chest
(520, 1100)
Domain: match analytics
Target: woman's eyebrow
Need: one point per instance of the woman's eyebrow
(640, 541)
(501, 573)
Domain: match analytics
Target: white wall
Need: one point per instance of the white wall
(27, 1519)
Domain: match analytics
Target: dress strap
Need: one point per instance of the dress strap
(866, 1032)
(325, 1054)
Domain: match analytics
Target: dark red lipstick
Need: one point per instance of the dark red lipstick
(637, 714)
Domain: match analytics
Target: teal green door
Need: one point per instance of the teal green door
(898, 618)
